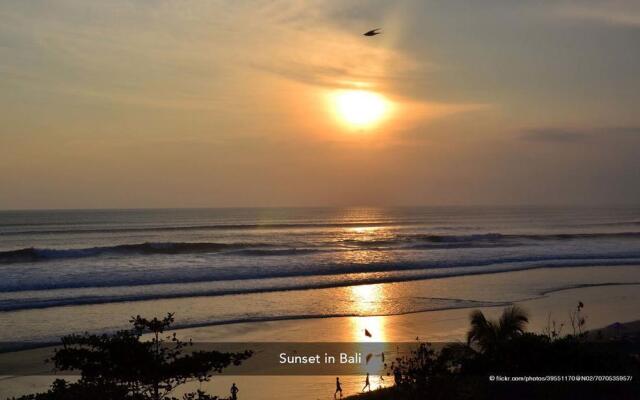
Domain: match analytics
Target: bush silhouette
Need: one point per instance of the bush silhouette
(503, 348)
(122, 366)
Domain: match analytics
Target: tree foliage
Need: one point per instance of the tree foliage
(124, 367)
(489, 336)
(502, 347)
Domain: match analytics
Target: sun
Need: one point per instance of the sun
(359, 108)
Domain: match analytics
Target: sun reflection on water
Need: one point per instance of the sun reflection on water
(366, 300)
(369, 329)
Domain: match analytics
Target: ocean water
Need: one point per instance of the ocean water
(247, 264)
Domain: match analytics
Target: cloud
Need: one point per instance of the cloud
(625, 13)
(553, 135)
(624, 130)
(569, 135)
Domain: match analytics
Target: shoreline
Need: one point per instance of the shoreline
(401, 276)
(442, 325)
(604, 306)
(606, 303)
(484, 306)
(386, 301)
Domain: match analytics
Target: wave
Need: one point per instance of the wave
(416, 305)
(618, 223)
(71, 229)
(552, 236)
(278, 252)
(443, 304)
(453, 304)
(32, 254)
(400, 241)
(210, 227)
(159, 290)
(492, 238)
(584, 286)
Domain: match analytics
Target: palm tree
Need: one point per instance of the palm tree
(489, 335)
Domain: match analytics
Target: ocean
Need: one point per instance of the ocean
(77, 270)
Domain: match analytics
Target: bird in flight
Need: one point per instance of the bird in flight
(373, 32)
(367, 333)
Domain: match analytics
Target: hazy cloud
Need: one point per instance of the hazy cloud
(169, 103)
(553, 135)
(617, 12)
(568, 135)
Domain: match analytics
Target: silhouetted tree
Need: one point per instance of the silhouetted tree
(490, 335)
(122, 366)
(502, 348)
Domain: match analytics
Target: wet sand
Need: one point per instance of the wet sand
(604, 305)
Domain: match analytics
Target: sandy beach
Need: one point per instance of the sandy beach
(605, 304)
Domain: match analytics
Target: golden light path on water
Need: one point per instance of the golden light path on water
(369, 300)
(370, 329)
(366, 299)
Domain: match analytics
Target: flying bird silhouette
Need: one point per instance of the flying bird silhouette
(373, 32)
(367, 333)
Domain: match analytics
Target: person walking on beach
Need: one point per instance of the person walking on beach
(338, 388)
(397, 376)
(367, 384)
(234, 391)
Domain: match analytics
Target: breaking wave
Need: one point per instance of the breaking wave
(399, 241)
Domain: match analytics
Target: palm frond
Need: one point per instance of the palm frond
(479, 326)
(513, 321)
(488, 335)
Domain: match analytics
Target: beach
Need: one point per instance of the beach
(607, 301)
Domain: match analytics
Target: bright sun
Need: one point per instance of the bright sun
(360, 108)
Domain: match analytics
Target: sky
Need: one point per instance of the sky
(194, 103)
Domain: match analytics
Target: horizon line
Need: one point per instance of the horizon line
(479, 205)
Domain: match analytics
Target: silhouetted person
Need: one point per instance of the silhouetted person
(367, 384)
(338, 388)
(397, 376)
(234, 391)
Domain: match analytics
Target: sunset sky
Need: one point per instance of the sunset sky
(126, 103)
